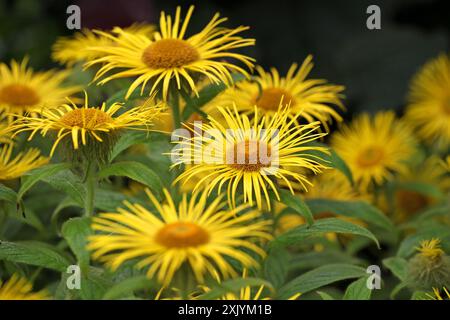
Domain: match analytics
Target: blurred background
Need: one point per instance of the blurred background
(374, 65)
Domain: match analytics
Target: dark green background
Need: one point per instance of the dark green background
(374, 65)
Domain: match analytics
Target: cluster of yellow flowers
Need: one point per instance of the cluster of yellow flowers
(185, 232)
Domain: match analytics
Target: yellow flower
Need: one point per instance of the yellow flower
(374, 147)
(429, 102)
(86, 123)
(438, 296)
(20, 164)
(407, 201)
(70, 50)
(24, 91)
(251, 156)
(18, 288)
(168, 57)
(430, 249)
(316, 99)
(200, 234)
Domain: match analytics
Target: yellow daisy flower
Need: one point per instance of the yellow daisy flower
(20, 164)
(429, 102)
(374, 147)
(86, 123)
(251, 155)
(168, 56)
(24, 91)
(316, 99)
(18, 288)
(70, 50)
(200, 234)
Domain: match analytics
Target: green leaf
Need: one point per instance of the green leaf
(320, 277)
(128, 286)
(233, 286)
(295, 203)
(324, 295)
(33, 253)
(38, 174)
(76, 231)
(355, 209)
(398, 266)
(205, 95)
(70, 184)
(320, 227)
(7, 194)
(332, 159)
(94, 284)
(127, 140)
(276, 266)
(313, 259)
(358, 290)
(135, 171)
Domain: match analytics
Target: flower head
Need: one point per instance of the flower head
(15, 167)
(24, 91)
(168, 56)
(315, 98)
(70, 50)
(87, 126)
(200, 234)
(429, 102)
(18, 288)
(250, 154)
(374, 147)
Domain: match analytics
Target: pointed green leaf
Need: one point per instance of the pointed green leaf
(135, 171)
(320, 227)
(320, 277)
(76, 231)
(33, 253)
(295, 203)
(38, 174)
(355, 209)
(128, 286)
(398, 266)
(358, 290)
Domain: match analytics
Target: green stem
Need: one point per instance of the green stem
(90, 190)
(174, 104)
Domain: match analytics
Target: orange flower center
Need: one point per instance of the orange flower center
(370, 157)
(87, 118)
(249, 156)
(18, 95)
(182, 235)
(270, 98)
(169, 53)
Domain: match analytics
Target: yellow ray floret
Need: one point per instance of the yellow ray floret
(315, 98)
(18, 288)
(19, 164)
(169, 56)
(251, 154)
(86, 122)
(200, 234)
(374, 147)
(24, 91)
(429, 102)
